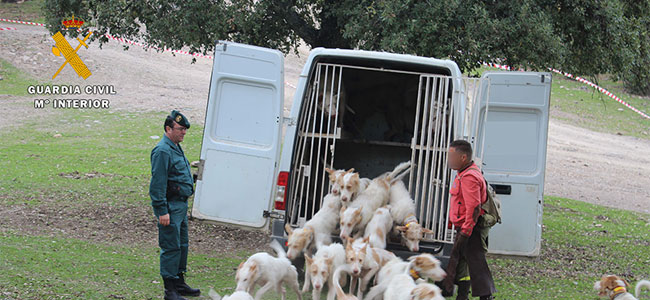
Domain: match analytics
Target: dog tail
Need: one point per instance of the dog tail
(400, 171)
(214, 295)
(639, 285)
(278, 249)
(340, 294)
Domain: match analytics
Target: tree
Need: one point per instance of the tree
(585, 37)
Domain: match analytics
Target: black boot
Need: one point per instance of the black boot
(170, 290)
(463, 290)
(487, 297)
(185, 289)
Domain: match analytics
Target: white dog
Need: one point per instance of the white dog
(402, 287)
(403, 213)
(318, 230)
(360, 211)
(320, 269)
(240, 295)
(424, 266)
(269, 272)
(378, 227)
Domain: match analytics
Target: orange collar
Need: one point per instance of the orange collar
(414, 274)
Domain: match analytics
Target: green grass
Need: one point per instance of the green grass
(581, 242)
(27, 11)
(14, 81)
(36, 267)
(116, 144)
(583, 106)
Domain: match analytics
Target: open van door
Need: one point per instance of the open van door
(514, 156)
(241, 139)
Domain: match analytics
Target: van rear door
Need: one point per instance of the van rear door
(241, 139)
(514, 156)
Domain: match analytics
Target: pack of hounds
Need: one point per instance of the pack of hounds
(365, 212)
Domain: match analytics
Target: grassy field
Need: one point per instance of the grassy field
(29, 10)
(14, 82)
(581, 241)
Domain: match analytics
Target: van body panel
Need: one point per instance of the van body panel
(514, 157)
(241, 145)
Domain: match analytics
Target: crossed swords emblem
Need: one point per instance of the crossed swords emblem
(70, 55)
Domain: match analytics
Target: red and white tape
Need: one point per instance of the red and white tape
(7, 28)
(585, 81)
(502, 67)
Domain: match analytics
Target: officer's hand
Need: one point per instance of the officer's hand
(164, 220)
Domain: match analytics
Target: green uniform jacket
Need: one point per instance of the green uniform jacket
(171, 178)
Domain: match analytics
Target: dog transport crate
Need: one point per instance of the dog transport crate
(368, 111)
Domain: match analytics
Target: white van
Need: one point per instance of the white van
(369, 111)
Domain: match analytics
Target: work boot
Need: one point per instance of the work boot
(185, 289)
(463, 290)
(170, 290)
(487, 297)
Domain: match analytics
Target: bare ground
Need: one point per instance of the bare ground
(590, 166)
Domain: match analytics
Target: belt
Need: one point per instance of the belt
(177, 198)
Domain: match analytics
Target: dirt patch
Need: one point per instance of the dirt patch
(128, 225)
(600, 168)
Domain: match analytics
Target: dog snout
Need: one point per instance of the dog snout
(317, 286)
(355, 271)
(344, 198)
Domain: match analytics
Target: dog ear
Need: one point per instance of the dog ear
(626, 283)
(357, 211)
(401, 228)
(288, 228)
(308, 259)
(241, 264)
(329, 260)
(427, 230)
(341, 210)
(350, 170)
(329, 171)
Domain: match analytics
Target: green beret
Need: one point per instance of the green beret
(180, 119)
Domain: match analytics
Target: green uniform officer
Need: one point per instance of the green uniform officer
(171, 185)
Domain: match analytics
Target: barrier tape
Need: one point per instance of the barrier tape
(7, 28)
(498, 66)
(582, 80)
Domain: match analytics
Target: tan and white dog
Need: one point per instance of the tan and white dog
(318, 230)
(379, 227)
(269, 272)
(402, 287)
(335, 177)
(364, 261)
(240, 295)
(320, 269)
(357, 215)
(615, 287)
(340, 294)
(403, 213)
(351, 185)
(424, 266)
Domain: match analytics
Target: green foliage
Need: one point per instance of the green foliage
(586, 37)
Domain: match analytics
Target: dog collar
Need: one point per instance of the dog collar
(410, 219)
(414, 274)
(619, 290)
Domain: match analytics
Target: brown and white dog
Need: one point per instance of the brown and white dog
(269, 272)
(403, 213)
(615, 287)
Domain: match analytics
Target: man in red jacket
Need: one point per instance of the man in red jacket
(467, 264)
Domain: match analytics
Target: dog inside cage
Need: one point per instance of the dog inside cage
(371, 119)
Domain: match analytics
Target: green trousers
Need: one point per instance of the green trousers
(173, 241)
(472, 265)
